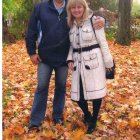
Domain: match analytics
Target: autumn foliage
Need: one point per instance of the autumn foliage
(119, 117)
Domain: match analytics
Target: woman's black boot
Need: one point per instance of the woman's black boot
(91, 126)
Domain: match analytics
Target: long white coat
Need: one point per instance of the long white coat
(93, 78)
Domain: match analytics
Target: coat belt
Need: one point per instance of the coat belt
(83, 49)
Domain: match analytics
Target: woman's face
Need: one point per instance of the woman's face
(77, 11)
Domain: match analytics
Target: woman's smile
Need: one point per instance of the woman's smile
(77, 11)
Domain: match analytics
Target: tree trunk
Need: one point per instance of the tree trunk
(5, 30)
(124, 35)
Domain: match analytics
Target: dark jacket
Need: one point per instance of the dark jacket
(54, 45)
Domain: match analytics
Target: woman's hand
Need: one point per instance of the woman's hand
(70, 65)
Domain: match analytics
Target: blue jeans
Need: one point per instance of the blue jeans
(41, 94)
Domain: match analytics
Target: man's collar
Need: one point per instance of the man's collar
(61, 6)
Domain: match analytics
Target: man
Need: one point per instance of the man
(52, 53)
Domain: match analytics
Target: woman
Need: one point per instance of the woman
(89, 58)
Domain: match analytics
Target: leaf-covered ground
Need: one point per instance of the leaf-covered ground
(119, 117)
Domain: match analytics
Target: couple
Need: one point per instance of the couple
(68, 41)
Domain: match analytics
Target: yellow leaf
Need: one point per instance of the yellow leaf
(18, 130)
(49, 133)
(105, 118)
(109, 106)
(134, 123)
(77, 135)
(121, 124)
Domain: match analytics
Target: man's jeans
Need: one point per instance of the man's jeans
(41, 94)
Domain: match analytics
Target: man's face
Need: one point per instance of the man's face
(59, 1)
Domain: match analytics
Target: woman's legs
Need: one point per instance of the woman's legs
(84, 105)
(92, 120)
(96, 108)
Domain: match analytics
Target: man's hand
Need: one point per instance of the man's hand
(70, 65)
(35, 59)
(99, 23)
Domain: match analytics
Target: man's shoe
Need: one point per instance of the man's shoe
(58, 121)
(32, 126)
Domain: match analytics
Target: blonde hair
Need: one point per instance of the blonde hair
(72, 3)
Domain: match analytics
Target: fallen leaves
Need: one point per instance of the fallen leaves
(119, 117)
(135, 122)
(77, 135)
(105, 118)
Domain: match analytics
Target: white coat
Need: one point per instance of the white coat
(93, 77)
